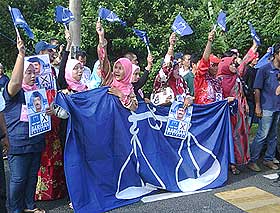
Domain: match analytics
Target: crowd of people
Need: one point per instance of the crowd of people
(36, 163)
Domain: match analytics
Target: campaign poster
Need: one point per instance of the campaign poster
(39, 121)
(162, 97)
(179, 120)
(43, 71)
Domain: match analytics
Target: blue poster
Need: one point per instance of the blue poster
(39, 121)
(179, 120)
(114, 157)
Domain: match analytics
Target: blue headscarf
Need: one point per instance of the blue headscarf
(94, 80)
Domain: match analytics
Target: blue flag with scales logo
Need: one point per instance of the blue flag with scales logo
(63, 15)
(19, 21)
(181, 27)
(114, 157)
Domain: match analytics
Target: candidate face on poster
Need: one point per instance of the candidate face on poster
(39, 121)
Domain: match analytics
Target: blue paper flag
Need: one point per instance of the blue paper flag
(221, 21)
(142, 35)
(265, 59)
(63, 15)
(133, 158)
(19, 21)
(254, 34)
(181, 27)
(110, 16)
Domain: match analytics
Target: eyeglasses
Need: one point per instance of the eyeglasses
(78, 67)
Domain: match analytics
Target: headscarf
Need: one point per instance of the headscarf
(178, 85)
(124, 85)
(134, 68)
(25, 86)
(228, 77)
(72, 83)
(95, 80)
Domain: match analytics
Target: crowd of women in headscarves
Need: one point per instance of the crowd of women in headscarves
(199, 80)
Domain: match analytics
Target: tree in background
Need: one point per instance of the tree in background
(155, 17)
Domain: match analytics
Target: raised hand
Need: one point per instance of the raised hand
(150, 62)
(20, 47)
(211, 35)
(99, 29)
(172, 39)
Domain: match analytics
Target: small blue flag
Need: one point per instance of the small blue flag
(63, 15)
(254, 34)
(110, 16)
(143, 35)
(221, 21)
(20, 22)
(265, 59)
(181, 27)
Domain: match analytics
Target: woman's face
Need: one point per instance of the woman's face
(29, 75)
(98, 71)
(77, 72)
(136, 76)
(176, 71)
(233, 66)
(119, 71)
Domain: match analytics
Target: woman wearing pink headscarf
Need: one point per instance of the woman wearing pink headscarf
(232, 87)
(120, 78)
(73, 75)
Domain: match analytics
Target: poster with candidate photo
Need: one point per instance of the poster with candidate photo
(43, 71)
(39, 121)
(179, 120)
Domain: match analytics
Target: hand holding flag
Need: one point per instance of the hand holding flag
(19, 21)
(181, 27)
(254, 34)
(63, 15)
(110, 16)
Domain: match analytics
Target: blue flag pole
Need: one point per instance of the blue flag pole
(17, 32)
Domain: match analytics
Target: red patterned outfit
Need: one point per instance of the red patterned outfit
(51, 180)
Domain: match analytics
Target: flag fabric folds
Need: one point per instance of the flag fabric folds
(181, 27)
(63, 15)
(265, 59)
(254, 34)
(221, 21)
(113, 157)
(110, 16)
(19, 21)
(142, 35)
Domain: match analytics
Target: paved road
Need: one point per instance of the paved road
(197, 203)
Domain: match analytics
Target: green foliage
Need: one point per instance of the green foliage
(155, 17)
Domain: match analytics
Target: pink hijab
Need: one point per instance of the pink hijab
(228, 77)
(72, 83)
(25, 86)
(124, 85)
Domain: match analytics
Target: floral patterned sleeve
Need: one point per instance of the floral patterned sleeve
(105, 67)
(130, 102)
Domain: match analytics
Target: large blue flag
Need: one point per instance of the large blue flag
(110, 16)
(254, 34)
(113, 157)
(142, 35)
(221, 21)
(19, 21)
(63, 15)
(181, 27)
